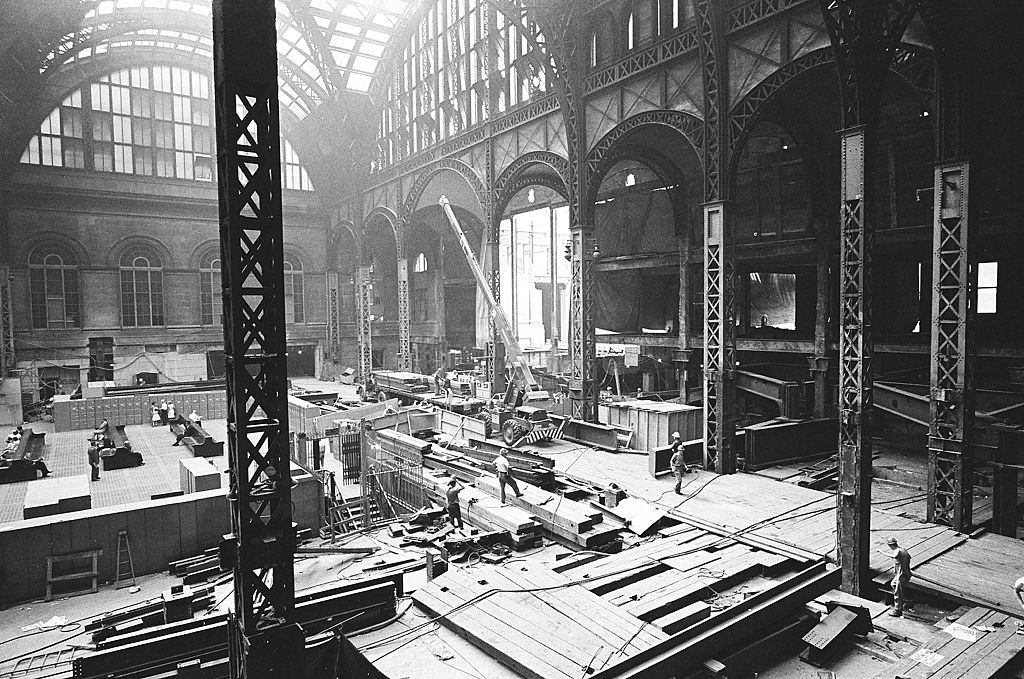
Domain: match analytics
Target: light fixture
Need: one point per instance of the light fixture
(925, 114)
(531, 196)
(630, 179)
(785, 147)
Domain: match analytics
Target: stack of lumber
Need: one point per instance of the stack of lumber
(144, 614)
(565, 632)
(528, 466)
(979, 645)
(403, 445)
(197, 568)
(687, 575)
(568, 521)
(485, 512)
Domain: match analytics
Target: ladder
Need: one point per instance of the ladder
(125, 566)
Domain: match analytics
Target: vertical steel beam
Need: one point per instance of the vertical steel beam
(7, 360)
(582, 337)
(364, 303)
(855, 350)
(951, 469)
(404, 323)
(719, 329)
(719, 276)
(492, 221)
(333, 315)
(267, 641)
(819, 361)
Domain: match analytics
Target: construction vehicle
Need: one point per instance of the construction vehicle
(522, 415)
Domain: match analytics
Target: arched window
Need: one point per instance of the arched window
(420, 265)
(630, 34)
(210, 297)
(53, 283)
(293, 301)
(142, 289)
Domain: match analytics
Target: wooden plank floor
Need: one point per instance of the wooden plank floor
(980, 570)
(946, 656)
(501, 609)
(66, 456)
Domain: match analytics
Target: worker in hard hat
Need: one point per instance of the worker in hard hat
(677, 462)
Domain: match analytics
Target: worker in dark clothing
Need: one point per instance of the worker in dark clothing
(502, 466)
(454, 510)
(901, 565)
(94, 460)
(677, 462)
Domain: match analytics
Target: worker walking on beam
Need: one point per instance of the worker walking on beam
(901, 566)
(677, 462)
(502, 466)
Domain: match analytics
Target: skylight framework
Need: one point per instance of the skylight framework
(324, 46)
(441, 84)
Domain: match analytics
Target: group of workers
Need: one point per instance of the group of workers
(505, 478)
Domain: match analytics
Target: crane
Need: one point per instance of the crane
(519, 422)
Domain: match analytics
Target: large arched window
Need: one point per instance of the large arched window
(150, 120)
(53, 279)
(142, 288)
(210, 296)
(294, 311)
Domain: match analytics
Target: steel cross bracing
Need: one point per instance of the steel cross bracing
(364, 302)
(719, 310)
(950, 481)
(855, 350)
(865, 36)
(6, 324)
(266, 641)
(333, 315)
(404, 329)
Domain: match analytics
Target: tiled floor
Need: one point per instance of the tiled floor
(66, 456)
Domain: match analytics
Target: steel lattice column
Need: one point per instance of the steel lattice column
(364, 302)
(719, 345)
(266, 640)
(6, 324)
(719, 279)
(951, 469)
(404, 328)
(581, 325)
(333, 315)
(855, 349)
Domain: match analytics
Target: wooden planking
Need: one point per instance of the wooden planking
(683, 618)
(508, 645)
(580, 625)
(982, 658)
(640, 634)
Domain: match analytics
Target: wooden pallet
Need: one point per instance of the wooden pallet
(90, 572)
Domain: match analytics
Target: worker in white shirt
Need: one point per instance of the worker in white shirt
(502, 466)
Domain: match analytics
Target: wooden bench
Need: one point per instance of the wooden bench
(198, 440)
(121, 456)
(22, 463)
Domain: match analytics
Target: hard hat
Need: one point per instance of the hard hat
(676, 435)
(891, 542)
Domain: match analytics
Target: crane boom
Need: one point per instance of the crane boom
(496, 312)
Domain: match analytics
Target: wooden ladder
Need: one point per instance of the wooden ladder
(125, 566)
